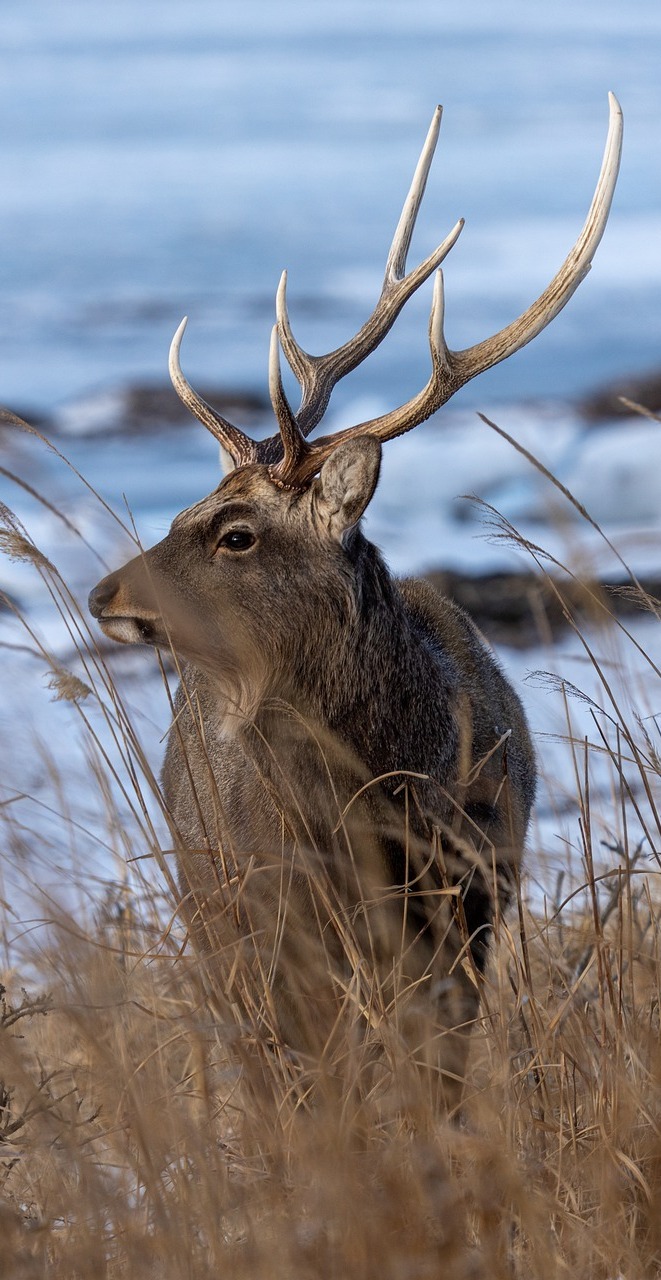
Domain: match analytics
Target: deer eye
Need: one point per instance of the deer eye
(237, 540)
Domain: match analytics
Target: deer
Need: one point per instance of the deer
(349, 774)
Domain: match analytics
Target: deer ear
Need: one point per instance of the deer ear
(227, 462)
(346, 483)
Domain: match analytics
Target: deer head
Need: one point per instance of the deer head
(288, 507)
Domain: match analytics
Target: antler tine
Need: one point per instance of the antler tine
(451, 369)
(301, 363)
(318, 375)
(239, 446)
(401, 243)
(292, 441)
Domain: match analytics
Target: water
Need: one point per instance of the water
(164, 158)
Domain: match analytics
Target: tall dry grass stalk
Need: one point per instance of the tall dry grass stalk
(147, 1129)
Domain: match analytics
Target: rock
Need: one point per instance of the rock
(642, 389)
(31, 417)
(9, 603)
(155, 406)
(147, 407)
(525, 609)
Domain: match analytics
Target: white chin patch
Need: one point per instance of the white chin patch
(124, 630)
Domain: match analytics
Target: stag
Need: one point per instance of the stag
(349, 774)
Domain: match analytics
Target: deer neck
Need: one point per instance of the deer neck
(359, 648)
(359, 653)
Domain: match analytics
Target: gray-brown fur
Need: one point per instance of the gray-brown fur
(310, 673)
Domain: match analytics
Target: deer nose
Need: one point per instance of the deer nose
(100, 596)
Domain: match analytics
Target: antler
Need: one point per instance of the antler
(239, 446)
(318, 375)
(293, 461)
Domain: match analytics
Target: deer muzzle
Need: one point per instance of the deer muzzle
(121, 615)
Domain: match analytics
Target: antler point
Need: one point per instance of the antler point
(179, 331)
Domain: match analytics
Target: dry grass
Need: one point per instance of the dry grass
(145, 1131)
(140, 1136)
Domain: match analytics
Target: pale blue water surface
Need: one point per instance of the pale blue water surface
(161, 158)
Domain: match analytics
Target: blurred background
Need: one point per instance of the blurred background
(161, 159)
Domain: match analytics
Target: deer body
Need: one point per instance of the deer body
(348, 775)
